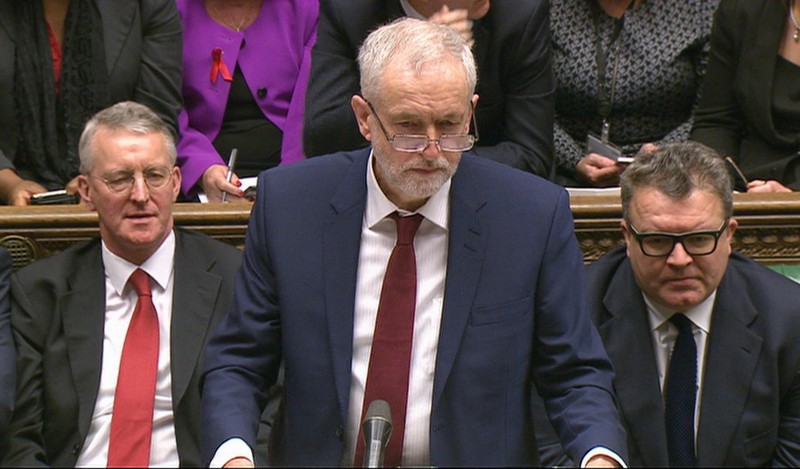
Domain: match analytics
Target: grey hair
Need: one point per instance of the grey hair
(126, 115)
(416, 42)
(676, 170)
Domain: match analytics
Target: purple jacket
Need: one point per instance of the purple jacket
(274, 54)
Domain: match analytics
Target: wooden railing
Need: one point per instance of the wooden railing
(769, 226)
(31, 233)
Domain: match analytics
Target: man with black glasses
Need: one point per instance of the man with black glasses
(705, 342)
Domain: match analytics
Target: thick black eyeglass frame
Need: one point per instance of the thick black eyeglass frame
(678, 238)
(429, 140)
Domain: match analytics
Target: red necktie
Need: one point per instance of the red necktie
(390, 358)
(132, 420)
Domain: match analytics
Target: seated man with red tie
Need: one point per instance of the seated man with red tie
(110, 332)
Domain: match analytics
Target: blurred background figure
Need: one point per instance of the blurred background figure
(509, 39)
(245, 69)
(750, 108)
(64, 60)
(635, 65)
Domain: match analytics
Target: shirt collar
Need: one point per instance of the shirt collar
(436, 209)
(159, 266)
(410, 11)
(700, 315)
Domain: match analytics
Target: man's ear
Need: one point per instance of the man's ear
(362, 112)
(732, 225)
(176, 182)
(627, 235)
(83, 190)
(474, 102)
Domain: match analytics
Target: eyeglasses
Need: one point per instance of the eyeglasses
(120, 182)
(696, 243)
(417, 143)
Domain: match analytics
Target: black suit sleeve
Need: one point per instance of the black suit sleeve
(787, 451)
(330, 124)
(718, 119)
(521, 50)
(8, 375)
(27, 442)
(159, 83)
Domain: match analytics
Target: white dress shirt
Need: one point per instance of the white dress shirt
(120, 302)
(378, 237)
(664, 334)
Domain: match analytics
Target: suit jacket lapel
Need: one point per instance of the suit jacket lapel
(83, 312)
(195, 294)
(732, 353)
(466, 249)
(626, 335)
(341, 244)
(118, 19)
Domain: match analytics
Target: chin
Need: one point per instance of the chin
(683, 302)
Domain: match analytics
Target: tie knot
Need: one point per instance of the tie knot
(141, 282)
(406, 227)
(681, 322)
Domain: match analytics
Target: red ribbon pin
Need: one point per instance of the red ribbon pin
(218, 66)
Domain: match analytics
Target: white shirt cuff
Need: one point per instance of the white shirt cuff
(602, 451)
(232, 448)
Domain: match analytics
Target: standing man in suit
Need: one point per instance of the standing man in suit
(492, 293)
(678, 278)
(75, 315)
(8, 357)
(511, 43)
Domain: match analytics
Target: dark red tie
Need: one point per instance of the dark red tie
(390, 358)
(132, 420)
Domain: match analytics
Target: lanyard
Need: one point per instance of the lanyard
(605, 91)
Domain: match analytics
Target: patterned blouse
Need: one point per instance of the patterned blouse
(659, 58)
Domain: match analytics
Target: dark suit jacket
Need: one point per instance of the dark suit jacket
(143, 52)
(513, 313)
(515, 81)
(735, 112)
(750, 408)
(58, 317)
(8, 357)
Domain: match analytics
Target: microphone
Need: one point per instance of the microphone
(377, 429)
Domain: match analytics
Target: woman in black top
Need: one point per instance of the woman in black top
(750, 108)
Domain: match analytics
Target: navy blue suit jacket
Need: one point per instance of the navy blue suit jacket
(514, 313)
(750, 405)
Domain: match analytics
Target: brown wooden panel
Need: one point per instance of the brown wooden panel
(769, 226)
